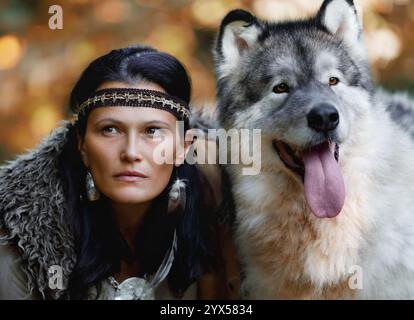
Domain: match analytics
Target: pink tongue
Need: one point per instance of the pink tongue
(324, 185)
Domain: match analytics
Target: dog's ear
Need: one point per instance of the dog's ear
(340, 18)
(239, 32)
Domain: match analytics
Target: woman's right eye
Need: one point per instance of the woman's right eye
(109, 130)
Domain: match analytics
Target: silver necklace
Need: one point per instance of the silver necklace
(135, 288)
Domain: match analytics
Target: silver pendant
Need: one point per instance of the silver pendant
(141, 289)
(133, 289)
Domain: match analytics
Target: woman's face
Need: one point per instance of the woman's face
(120, 145)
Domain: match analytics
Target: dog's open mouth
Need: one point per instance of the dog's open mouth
(321, 174)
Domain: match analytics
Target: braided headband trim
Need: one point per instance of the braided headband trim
(136, 97)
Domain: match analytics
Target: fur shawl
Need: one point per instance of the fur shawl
(32, 213)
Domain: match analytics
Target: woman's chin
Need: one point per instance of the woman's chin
(130, 197)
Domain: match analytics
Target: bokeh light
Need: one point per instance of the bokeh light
(39, 66)
(10, 51)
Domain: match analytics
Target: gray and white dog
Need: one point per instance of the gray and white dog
(331, 213)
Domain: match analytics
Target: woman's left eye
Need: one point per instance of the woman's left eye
(153, 130)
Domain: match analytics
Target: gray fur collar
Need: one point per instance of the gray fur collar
(32, 212)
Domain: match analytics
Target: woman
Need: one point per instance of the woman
(106, 207)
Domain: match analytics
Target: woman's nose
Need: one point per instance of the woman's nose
(131, 150)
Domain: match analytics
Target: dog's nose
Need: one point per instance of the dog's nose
(323, 118)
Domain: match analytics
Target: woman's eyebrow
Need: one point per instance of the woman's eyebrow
(159, 122)
(151, 122)
(111, 120)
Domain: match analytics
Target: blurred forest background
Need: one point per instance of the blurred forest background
(39, 66)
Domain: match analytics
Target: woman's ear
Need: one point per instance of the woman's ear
(182, 151)
(82, 150)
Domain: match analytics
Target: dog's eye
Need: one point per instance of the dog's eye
(333, 81)
(281, 88)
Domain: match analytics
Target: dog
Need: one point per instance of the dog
(331, 213)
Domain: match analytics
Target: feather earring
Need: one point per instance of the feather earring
(177, 195)
(91, 192)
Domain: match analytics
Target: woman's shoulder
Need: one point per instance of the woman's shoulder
(13, 281)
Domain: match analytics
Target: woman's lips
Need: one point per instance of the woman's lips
(130, 176)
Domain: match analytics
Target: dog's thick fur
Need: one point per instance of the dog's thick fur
(367, 250)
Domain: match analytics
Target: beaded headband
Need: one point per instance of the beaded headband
(115, 97)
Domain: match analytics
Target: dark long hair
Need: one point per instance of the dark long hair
(99, 245)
